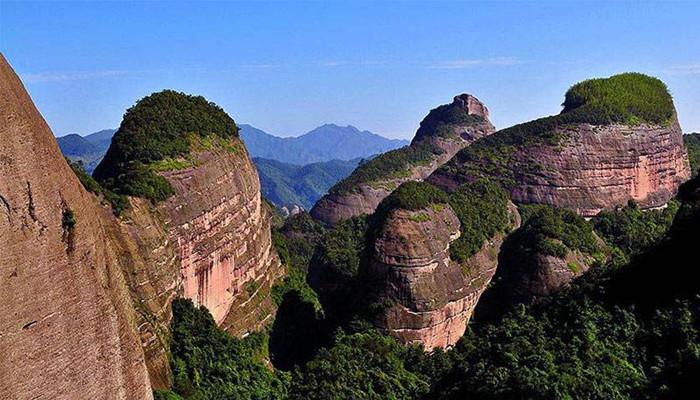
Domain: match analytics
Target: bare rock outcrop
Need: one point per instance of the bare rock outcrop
(592, 156)
(68, 328)
(428, 296)
(442, 133)
(209, 239)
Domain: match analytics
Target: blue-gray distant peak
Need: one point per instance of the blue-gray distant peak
(325, 143)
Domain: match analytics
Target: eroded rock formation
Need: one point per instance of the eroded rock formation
(85, 309)
(429, 297)
(68, 328)
(442, 133)
(580, 159)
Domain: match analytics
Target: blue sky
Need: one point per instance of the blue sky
(287, 67)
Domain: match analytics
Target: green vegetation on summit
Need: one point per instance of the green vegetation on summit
(629, 98)
(162, 127)
(397, 163)
(480, 206)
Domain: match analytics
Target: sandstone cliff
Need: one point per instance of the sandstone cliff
(67, 322)
(209, 240)
(442, 133)
(618, 139)
(428, 291)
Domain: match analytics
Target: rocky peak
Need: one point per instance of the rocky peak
(432, 256)
(617, 139)
(442, 133)
(472, 105)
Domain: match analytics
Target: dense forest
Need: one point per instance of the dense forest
(628, 329)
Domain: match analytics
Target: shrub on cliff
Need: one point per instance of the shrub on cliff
(159, 127)
(438, 120)
(555, 231)
(628, 98)
(632, 229)
(390, 165)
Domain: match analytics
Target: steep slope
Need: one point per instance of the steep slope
(325, 143)
(432, 256)
(67, 322)
(617, 139)
(295, 185)
(442, 133)
(205, 222)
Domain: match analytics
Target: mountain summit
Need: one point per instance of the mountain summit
(325, 143)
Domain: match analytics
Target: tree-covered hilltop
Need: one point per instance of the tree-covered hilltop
(629, 98)
(157, 134)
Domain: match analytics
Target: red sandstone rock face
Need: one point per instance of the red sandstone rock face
(600, 167)
(222, 234)
(67, 323)
(432, 297)
(364, 199)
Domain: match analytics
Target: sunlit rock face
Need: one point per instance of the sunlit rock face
(86, 306)
(600, 167)
(68, 327)
(221, 230)
(443, 135)
(427, 297)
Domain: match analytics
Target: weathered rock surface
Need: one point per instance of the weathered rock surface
(86, 310)
(68, 329)
(582, 167)
(439, 135)
(209, 242)
(430, 296)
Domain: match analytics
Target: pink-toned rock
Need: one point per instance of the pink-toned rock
(430, 297)
(68, 328)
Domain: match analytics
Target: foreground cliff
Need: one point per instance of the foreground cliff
(68, 327)
(212, 231)
(442, 133)
(617, 139)
(432, 256)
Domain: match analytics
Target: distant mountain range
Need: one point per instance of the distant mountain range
(287, 184)
(89, 149)
(325, 143)
(293, 171)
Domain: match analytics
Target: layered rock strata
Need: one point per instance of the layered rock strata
(444, 131)
(68, 328)
(430, 297)
(583, 166)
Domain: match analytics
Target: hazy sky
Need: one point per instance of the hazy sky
(287, 67)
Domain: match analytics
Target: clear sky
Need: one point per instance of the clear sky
(287, 67)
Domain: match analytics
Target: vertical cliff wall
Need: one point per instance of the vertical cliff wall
(618, 139)
(222, 233)
(67, 324)
(427, 289)
(442, 133)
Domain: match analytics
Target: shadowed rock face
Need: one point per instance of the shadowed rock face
(444, 131)
(67, 321)
(591, 168)
(429, 297)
